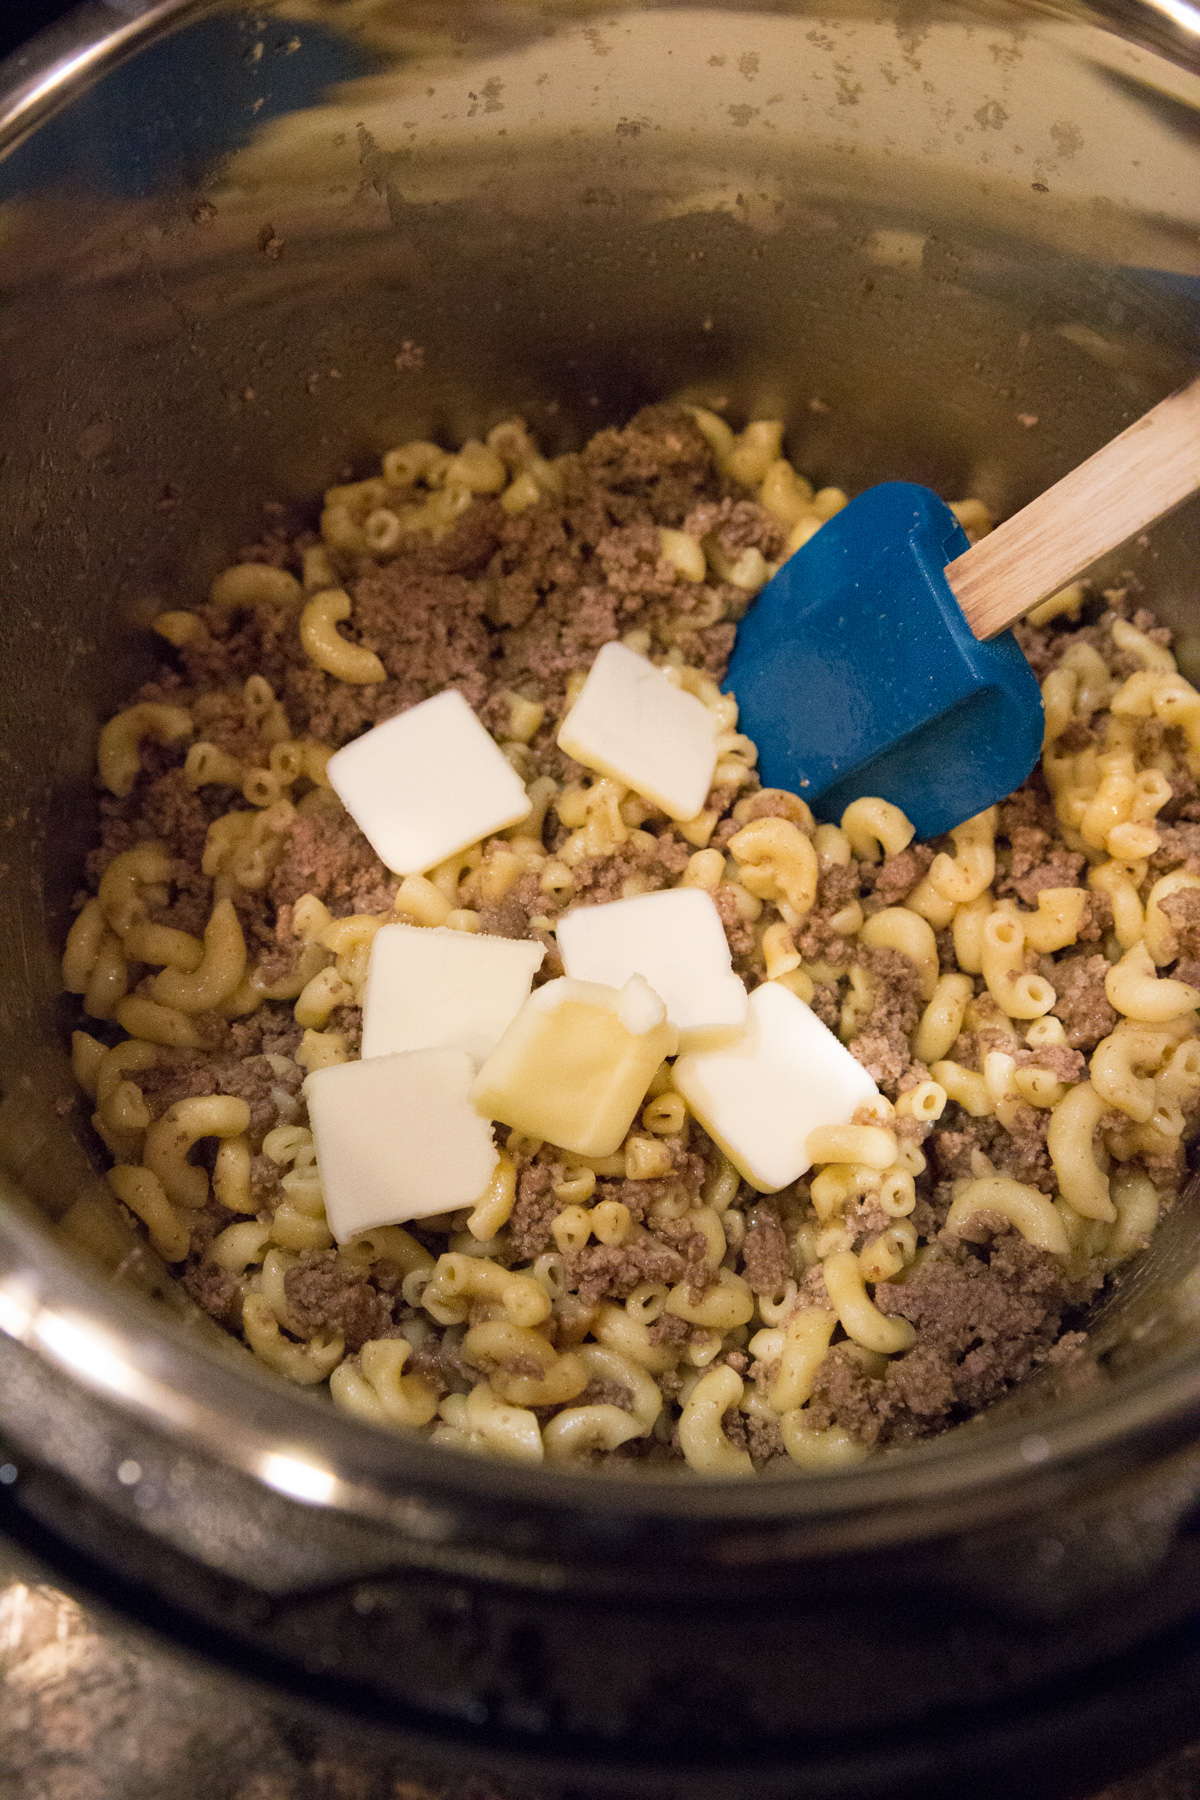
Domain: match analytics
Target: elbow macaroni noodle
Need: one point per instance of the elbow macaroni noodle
(326, 646)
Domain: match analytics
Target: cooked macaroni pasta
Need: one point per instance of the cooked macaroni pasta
(1024, 992)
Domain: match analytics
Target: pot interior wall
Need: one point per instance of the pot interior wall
(960, 294)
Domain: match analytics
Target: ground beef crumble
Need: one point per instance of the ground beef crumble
(881, 1044)
(1081, 1001)
(324, 1293)
(535, 1209)
(987, 1314)
(766, 1255)
(601, 1270)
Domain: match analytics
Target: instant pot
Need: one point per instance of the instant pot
(243, 251)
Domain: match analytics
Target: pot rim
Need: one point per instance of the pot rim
(118, 1345)
(71, 55)
(61, 62)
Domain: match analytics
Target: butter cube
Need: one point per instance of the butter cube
(574, 1065)
(760, 1098)
(438, 989)
(427, 783)
(676, 942)
(632, 723)
(397, 1138)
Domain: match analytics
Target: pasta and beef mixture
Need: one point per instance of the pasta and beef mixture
(1023, 993)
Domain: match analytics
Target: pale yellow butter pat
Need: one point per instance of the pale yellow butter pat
(426, 783)
(674, 940)
(574, 1065)
(428, 987)
(633, 724)
(759, 1099)
(397, 1139)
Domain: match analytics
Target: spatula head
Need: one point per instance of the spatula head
(856, 673)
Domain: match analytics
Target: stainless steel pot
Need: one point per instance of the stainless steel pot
(241, 251)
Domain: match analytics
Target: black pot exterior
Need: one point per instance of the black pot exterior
(1055, 1658)
(905, 278)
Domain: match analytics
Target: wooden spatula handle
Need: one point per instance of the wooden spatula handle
(1138, 477)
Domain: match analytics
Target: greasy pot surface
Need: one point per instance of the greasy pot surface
(227, 280)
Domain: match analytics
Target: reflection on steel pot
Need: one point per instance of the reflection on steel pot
(246, 250)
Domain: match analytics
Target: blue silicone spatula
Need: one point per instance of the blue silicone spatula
(878, 659)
